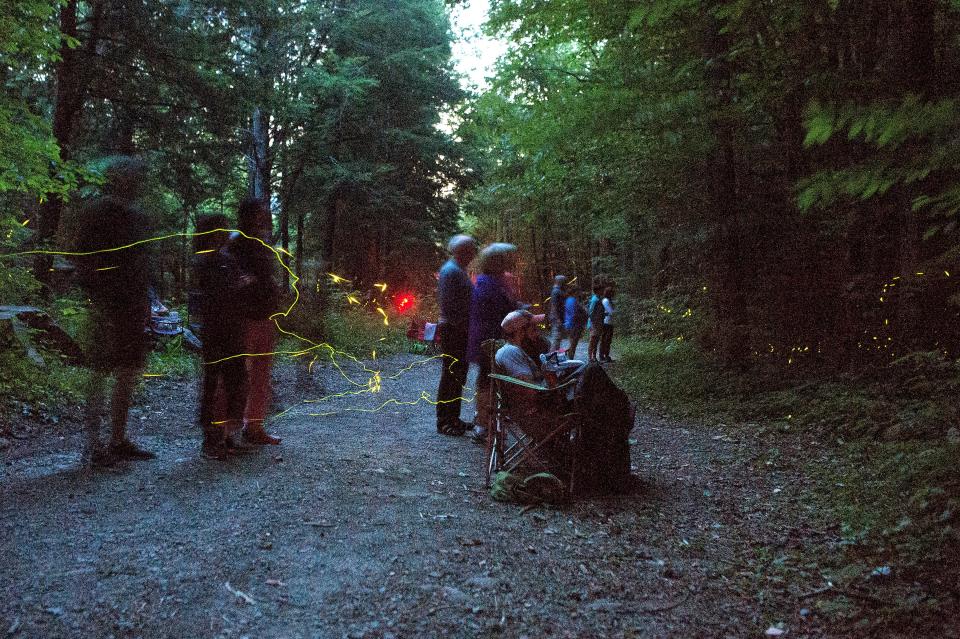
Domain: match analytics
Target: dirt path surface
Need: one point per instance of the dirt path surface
(369, 524)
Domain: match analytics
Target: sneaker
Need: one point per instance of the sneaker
(126, 449)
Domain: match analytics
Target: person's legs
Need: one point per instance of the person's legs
(574, 341)
(594, 344)
(260, 338)
(95, 411)
(213, 431)
(484, 400)
(453, 376)
(127, 377)
(605, 339)
(556, 336)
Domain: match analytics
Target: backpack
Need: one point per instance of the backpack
(601, 461)
(579, 316)
(597, 313)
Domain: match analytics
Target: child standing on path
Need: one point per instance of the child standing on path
(606, 336)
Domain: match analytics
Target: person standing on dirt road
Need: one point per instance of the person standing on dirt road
(556, 309)
(491, 301)
(606, 335)
(595, 315)
(116, 278)
(454, 291)
(216, 283)
(258, 303)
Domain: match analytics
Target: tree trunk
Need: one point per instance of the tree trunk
(914, 63)
(724, 276)
(259, 160)
(72, 77)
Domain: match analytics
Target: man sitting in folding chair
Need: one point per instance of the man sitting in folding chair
(534, 420)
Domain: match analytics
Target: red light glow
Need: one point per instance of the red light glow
(404, 302)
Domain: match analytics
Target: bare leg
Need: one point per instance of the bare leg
(96, 395)
(120, 404)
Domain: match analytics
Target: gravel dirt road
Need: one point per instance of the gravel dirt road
(369, 524)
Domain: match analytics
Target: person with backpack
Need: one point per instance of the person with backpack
(595, 319)
(574, 321)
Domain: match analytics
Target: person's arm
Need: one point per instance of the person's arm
(569, 312)
(608, 310)
(446, 293)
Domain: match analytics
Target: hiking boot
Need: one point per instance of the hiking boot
(126, 449)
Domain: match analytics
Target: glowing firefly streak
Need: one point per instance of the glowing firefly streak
(382, 287)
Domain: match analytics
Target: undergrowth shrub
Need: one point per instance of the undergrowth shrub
(915, 397)
(360, 332)
(30, 390)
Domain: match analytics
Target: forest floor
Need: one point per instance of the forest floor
(369, 524)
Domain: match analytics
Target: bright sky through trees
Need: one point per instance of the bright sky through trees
(474, 53)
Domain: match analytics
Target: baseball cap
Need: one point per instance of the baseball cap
(516, 320)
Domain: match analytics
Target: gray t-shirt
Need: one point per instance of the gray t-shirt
(516, 363)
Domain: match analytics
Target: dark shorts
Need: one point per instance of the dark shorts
(115, 341)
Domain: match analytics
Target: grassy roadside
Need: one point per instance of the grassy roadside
(883, 474)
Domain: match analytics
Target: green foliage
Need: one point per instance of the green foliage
(359, 332)
(24, 386)
(672, 315)
(733, 144)
(173, 359)
(28, 42)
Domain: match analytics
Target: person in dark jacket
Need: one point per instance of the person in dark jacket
(491, 302)
(556, 308)
(454, 292)
(216, 284)
(116, 278)
(258, 303)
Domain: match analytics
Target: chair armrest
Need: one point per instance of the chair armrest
(525, 384)
(519, 382)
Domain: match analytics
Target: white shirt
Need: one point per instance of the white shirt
(608, 311)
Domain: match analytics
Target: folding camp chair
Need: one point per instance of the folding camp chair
(513, 444)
